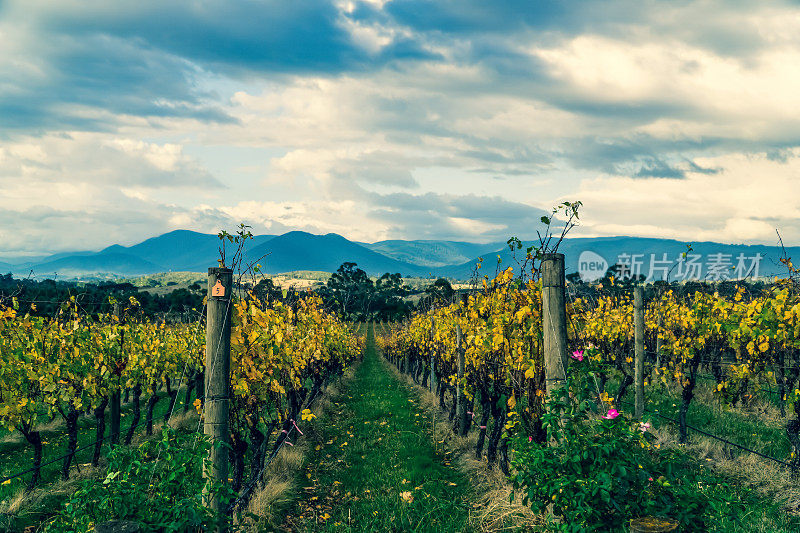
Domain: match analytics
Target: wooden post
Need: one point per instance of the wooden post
(115, 399)
(638, 324)
(554, 321)
(217, 378)
(433, 361)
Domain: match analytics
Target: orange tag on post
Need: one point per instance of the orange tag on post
(218, 289)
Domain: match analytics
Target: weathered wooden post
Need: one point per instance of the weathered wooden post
(217, 380)
(554, 321)
(638, 342)
(115, 399)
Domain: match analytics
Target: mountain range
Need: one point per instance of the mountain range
(184, 250)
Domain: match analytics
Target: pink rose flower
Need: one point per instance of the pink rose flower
(577, 355)
(612, 414)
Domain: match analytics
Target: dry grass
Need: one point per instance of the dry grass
(184, 422)
(56, 425)
(280, 485)
(492, 510)
(38, 499)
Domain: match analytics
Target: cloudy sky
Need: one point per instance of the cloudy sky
(377, 119)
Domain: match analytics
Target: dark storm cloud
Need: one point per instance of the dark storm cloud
(96, 77)
(470, 16)
(300, 36)
(707, 25)
(150, 59)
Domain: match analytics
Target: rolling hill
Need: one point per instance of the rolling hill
(298, 250)
(432, 253)
(110, 262)
(643, 251)
(190, 251)
(181, 250)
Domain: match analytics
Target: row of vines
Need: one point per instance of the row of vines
(746, 341)
(72, 364)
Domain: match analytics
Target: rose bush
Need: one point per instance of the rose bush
(598, 468)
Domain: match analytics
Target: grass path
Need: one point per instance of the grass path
(373, 464)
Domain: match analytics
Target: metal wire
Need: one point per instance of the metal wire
(717, 437)
(61, 458)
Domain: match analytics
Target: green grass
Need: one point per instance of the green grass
(732, 424)
(733, 507)
(373, 445)
(767, 436)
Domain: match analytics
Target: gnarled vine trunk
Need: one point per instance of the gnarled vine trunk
(172, 394)
(34, 438)
(137, 413)
(100, 430)
(486, 412)
(71, 419)
(151, 405)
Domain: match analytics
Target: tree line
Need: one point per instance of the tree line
(350, 292)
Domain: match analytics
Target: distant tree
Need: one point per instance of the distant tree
(350, 291)
(390, 301)
(266, 290)
(440, 292)
(43, 298)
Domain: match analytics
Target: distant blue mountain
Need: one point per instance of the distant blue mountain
(194, 252)
(298, 250)
(182, 250)
(643, 253)
(430, 253)
(103, 262)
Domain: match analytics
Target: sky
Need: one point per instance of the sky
(397, 119)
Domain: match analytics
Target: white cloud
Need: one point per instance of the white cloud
(745, 202)
(507, 118)
(101, 159)
(741, 97)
